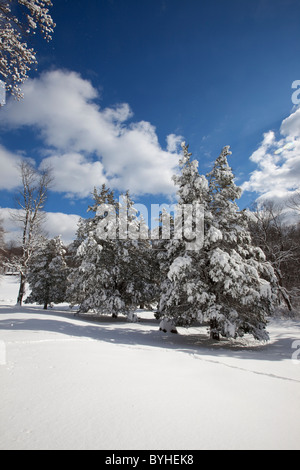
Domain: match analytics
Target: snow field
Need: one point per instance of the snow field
(69, 383)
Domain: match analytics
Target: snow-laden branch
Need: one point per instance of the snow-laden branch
(18, 20)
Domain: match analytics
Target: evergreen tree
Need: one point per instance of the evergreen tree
(112, 275)
(181, 262)
(47, 273)
(227, 282)
(242, 283)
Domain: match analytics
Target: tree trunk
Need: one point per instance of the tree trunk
(46, 299)
(21, 289)
(284, 294)
(286, 298)
(214, 333)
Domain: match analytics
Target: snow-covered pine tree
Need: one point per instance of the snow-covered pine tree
(183, 291)
(241, 282)
(227, 282)
(47, 273)
(110, 276)
(92, 282)
(135, 258)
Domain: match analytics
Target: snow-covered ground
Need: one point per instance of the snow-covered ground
(69, 383)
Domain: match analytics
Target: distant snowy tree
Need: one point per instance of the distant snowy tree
(112, 274)
(135, 260)
(18, 20)
(47, 273)
(227, 282)
(280, 243)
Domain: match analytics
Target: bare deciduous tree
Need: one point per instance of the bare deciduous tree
(31, 200)
(2, 245)
(294, 201)
(280, 243)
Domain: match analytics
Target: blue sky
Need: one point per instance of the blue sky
(123, 81)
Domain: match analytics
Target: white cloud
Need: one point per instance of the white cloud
(11, 229)
(291, 125)
(61, 224)
(105, 145)
(9, 174)
(278, 161)
(74, 174)
(173, 142)
(56, 223)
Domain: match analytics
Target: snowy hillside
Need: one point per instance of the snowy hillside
(68, 383)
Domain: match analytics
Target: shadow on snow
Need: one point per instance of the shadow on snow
(143, 333)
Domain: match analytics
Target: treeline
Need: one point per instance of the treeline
(246, 267)
(279, 238)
